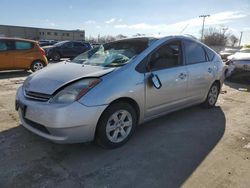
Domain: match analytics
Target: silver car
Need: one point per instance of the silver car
(104, 93)
(239, 63)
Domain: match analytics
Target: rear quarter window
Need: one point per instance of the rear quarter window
(20, 45)
(194, 53)
(210, 54)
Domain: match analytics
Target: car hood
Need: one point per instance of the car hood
(51, 78)
(239, 56)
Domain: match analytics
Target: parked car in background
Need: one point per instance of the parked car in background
(104, 93)
(21, 54)
(95, 45)
(66, 49)
(47, 42)
(239, 63)
(227, 52)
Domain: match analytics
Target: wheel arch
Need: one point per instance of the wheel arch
(37, 60)
(128, 100)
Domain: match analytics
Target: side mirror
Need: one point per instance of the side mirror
(155, 81)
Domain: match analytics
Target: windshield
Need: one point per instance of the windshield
(113, 54)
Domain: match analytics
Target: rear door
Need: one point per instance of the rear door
(68, 50)
(167, 63)
(6, 57)
(200, 71)
(79, 48)
(23, 55)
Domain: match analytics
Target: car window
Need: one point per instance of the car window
(210, 54)
(6, 45)
(69, 45)
(20, 45)
(87, 45)
(3, 46)
(194, 53)
(78, 44)
(166, 56)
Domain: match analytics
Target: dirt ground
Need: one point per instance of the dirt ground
(193, 147)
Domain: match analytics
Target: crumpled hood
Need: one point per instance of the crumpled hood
(51, 78)
(239, 56)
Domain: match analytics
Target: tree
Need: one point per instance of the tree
(218, 37)
(233, 40)
(120, 36)
(214, 37)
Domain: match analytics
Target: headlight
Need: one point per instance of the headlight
(75, 91)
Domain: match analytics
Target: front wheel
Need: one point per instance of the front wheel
(37, 65)
(212, 96)
(116, 125)
(55, 56)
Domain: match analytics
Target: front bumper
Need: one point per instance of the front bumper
(59, 123)
(237, 70)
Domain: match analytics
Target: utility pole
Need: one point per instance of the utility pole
(202, 30)
(241, 33)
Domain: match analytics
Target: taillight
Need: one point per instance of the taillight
(42, 51)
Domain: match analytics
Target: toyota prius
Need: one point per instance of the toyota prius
(104, 93)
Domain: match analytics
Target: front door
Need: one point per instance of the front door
(68, 50)
(167, 63)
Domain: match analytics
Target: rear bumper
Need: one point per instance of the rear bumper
(45, 59)
(234, 70)
(59, 123)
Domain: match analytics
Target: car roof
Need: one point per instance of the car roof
(190, 37)
(18, 39)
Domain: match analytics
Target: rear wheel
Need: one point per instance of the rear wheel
(37, 65)
(212, 96)
(116, 125)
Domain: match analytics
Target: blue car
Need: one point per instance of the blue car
(66, 49)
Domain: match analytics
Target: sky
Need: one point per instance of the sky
(129, 17)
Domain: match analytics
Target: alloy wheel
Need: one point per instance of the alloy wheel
(119, 126)
(37, 66)
(213, 94)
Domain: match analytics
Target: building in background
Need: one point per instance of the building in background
(41, 33)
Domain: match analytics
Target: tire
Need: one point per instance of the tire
(55, 56)
(116, 125)
(37, 65)
(212, 96)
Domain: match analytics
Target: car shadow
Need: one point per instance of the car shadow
(240, 83)
(162, 153)
(14, 74)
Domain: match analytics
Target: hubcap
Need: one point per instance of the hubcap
(119, 126)
(37, 66)
(56, 57)
(213, 94)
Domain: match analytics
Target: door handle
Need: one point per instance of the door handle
(182, 76)
(209, 70)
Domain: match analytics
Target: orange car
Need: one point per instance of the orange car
(21, 54)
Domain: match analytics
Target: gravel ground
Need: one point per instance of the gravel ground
(193, 147)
